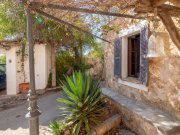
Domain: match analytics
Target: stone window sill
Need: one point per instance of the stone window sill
(133, 82)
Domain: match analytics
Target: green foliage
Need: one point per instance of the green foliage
(97, 52)
(57, 127)
(13, 21)
(49, 80)
(2, 59)
(2, 68)
(111, 28)
(66, 61)
(12, 18)
(49, 30)
(82, 102)
(81, 66)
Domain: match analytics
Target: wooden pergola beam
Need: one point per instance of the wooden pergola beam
(171, 28)
(156, 3)
(175, 2)
(168, 9)
(146, 2)
(68, 24)
(85, 10)
(152, 3)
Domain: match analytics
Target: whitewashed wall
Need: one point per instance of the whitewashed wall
(2, 51)
(11, 74)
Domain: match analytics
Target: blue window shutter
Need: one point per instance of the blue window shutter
(144, 66)
(117, 56)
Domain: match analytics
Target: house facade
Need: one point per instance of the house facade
(142, 63)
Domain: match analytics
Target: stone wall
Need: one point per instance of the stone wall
(97, 67)
(164, 79)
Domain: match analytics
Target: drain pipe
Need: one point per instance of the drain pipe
(107, 125)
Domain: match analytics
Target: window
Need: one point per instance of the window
(130, 51)
(134, 56)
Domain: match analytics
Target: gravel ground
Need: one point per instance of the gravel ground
(13, 122)
(44, 130)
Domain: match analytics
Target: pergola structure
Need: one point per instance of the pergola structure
(164, 10)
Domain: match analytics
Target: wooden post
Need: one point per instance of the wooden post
(53, 65)
(33, 112)
(171, 28)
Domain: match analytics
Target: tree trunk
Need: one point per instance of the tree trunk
(81, 52)
(76, 53)
(53, 65)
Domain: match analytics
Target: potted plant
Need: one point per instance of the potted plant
(24, 87)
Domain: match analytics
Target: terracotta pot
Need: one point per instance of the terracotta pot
(24, 87)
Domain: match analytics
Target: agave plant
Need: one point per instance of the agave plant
(57, 127)
(82, 102)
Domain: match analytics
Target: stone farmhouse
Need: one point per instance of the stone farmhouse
(142, 65)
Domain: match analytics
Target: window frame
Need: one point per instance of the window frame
(124, 34)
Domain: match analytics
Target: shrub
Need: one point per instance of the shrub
(65, 61)
(82, 102)
(57, 127)
(2, 59)
(82, 66)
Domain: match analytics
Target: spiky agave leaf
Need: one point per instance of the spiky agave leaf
(57, 127)
(82, 101)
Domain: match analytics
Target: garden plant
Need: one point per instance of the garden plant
(82, 100)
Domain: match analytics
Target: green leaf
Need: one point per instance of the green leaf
(87, 126)
(78, 127)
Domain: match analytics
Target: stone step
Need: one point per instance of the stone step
(124, 132)
(141, 118)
